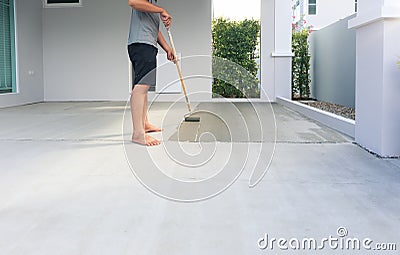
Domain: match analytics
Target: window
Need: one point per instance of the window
(62, 3)
(312, 7)
(7, 47)
(356, 6)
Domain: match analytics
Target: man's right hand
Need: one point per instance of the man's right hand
(166, 18)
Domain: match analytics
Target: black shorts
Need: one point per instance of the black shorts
(144, 61)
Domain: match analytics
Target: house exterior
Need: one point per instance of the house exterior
(321, 13)
(79, 54)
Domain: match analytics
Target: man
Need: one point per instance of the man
(144, 35)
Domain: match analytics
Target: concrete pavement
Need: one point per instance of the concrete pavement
(68, 185)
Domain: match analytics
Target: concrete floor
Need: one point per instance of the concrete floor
(68, 186)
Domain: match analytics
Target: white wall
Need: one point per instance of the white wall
(191, 31)
(391, 91)
(378, 77)
(372, 75)
(29, 54)
(378, 108)
(85, 51)
(85, 56)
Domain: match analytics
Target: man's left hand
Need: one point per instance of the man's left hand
(171, 56)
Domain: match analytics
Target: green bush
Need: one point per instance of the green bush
(300, 65)
(236, 41)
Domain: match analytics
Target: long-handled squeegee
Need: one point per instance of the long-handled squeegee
(188, 117)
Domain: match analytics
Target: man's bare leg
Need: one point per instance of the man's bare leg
(149, 128)
(138, 104)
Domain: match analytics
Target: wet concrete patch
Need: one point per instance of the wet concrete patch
(229, 122)
(253, 122)
(210, 128)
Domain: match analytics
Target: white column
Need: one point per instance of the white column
(276, 49)
(283, 48)
(378, 77)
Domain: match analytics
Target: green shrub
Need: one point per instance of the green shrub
(236, 41)
(300, 65)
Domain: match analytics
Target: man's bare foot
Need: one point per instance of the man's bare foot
(149, 128)
(145, 140)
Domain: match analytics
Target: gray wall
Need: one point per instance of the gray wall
(333, 67)
(29, 54)
(85, 51)
(85, 56)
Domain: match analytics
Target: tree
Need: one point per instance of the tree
(300, 65)
(236, 41)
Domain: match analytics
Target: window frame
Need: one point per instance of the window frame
(61, 5)
(13, 51)
(312, 5)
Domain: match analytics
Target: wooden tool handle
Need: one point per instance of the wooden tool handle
(179, 69)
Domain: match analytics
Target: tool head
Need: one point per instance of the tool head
(192, 119)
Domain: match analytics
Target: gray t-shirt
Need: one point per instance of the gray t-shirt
(144, 27)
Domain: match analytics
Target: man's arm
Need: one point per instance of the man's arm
(145, 6)
(163, 43)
